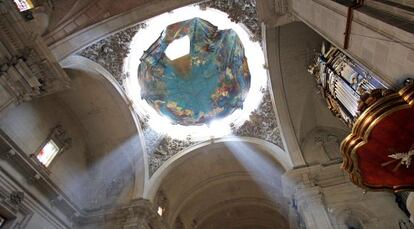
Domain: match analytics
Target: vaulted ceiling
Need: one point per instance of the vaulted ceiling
(231, 184)
(110, 133)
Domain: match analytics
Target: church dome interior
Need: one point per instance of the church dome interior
(206, 114)
(209, 82)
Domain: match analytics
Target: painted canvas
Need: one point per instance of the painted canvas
(211, 81)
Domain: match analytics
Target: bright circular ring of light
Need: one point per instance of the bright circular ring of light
(217, 128)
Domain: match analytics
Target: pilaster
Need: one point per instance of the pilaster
(301, 188)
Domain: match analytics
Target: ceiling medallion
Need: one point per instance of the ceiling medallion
(210, 82)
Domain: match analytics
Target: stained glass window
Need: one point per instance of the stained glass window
(48, 152)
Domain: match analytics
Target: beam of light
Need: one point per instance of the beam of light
(263, 170)
(108, 178)
(143, 40)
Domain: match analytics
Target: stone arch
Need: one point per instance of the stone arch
(275, 151)
(124, 137)
(232, 172)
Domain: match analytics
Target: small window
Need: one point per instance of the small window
(23, 5)
(2, 221)
(54, 144)
(160, 211)
(48, 152)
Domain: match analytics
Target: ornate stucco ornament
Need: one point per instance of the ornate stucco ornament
(240, 11)
(111, 51)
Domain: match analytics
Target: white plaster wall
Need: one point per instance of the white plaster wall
(404, 2)
(29, 125)
(298, 45)
(321, 145)
(37, 222)
(35, 209)
(105, 164)
(116, 161)
(326, 198)
(373, 209)
(221, 182)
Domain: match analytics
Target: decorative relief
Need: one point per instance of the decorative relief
(239, 11)
(55, 202)
(262, 123)
(13, 199)
(329, 143)
(60, 137)
(160, 148)
(16, 198)
(111, 51)
(35, 179)
(27, 67)
(7, 155)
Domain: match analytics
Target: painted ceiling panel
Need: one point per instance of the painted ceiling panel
(210, 82)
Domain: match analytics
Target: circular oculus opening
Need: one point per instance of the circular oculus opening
(198, 128)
